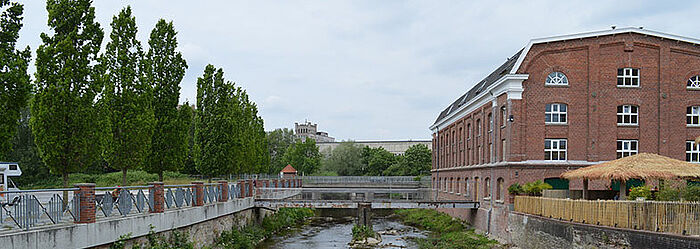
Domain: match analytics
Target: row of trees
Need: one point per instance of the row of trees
(346, 159)
(118, 108)
(349, 158)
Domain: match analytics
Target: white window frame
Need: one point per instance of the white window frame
(693, 83)
(556, 113)
(627, 112)
(490, 117)
(624, 148)
(628, 77)
(504, 116)
(692, 150)
(556, 79)
(555, 148)
(692, 116)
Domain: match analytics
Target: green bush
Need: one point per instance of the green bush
(515, 189)
(430, 220)
(691, 193)
(360, 232)
(641, 191)
(535, 188)
(668, 194)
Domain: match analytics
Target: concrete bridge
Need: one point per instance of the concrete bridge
(98, 216)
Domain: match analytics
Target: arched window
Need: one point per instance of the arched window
(557, 79)
(476, 188)
(499, 189)
(457, 188)
(555, 113)
(504, 116)
(627, 115)
(466, 186)
(694, 82)
(452, 185)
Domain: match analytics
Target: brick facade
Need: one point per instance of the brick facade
(481, 151)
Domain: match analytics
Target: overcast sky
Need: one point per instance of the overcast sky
(365, 69)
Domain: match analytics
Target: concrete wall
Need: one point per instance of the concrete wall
(528, 231)
(203, 224)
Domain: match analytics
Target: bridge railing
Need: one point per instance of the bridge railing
(29, 208)
(365, 180)
(86, 203)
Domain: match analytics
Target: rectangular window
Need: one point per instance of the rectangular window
(627, 115)
(693, 116)
(504, 116)
(628, 77)
(692, 152)
(555, 149)
(478, 127)
(555, 114)
(503, 150)
(626, 148)
(490, 123)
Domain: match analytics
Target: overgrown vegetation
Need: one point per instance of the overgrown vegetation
(445, 231)
(535, 188)
(250, 236)
(176, 240)
(360, 232)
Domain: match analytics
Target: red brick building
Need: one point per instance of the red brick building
(565, 102)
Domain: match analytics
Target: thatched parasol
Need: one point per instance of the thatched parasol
(641, 166)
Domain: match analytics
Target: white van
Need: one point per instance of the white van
(8, 169)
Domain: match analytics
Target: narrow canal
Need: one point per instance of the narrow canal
(335, 231)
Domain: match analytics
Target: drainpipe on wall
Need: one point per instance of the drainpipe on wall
(437, 163)
(491, 159)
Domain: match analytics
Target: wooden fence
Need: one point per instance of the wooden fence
(672, 217)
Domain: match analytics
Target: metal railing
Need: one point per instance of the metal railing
(178, 196)
(124, 199)
(29, 208)
(365, 179)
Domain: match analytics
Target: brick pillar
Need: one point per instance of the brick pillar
(199, 193)
(158, 197)
(86, 194)
(300, 182)
(241, 187)
(223, 186)
(276, 182)
(250, 188)
(259, 183)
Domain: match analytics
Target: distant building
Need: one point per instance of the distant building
(288, 172)
(397, 147)
(309, 130)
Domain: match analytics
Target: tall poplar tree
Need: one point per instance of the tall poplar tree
(164, 69)
(216, 130)
(127, 98)
(64, 118)
(14, 80)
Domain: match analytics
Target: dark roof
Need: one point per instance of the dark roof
(479, 87)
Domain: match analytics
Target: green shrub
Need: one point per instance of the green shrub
(641, 191)
(668, 194)
(515, 189)
(430, 220)
(360, 232)
(691, 193)
(445, 231)
(535, 188)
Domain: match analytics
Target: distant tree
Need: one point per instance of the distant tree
(278, 141)
(414, 162)
(376, 160)
(24, 152)
(303, 156)
(345, 159)
(64, 119)
(126, 97)
(186, 118)
(15, 84)
(164, 69)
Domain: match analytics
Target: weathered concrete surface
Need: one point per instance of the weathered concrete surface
(528, 231)
(106, 231)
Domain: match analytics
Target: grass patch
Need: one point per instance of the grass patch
(445, 231)
(133, 177)
(360, 232)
